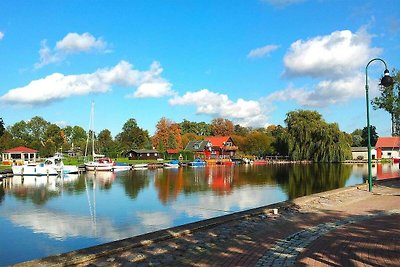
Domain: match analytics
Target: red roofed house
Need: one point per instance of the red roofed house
(221, 147)
(19, 154)
(387, 148)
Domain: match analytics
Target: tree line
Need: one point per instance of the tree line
(306, 137)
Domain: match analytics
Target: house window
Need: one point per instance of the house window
(155, 154)
(148, 154)
(228, 143)
(196, 146)
(389, 154)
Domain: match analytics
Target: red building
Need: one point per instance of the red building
(213, 147)
(19, 155)
(387, 148)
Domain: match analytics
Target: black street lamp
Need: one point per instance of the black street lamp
(386, 81)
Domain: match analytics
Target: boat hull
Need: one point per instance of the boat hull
(96, 166)
(34, 170)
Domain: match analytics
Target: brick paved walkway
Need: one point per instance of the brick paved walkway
(344, 227)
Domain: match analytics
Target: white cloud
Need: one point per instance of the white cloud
(262, 51)
(75, 43)
(244, 112)
(326, 92)
(58, 86)
(72, 43)
(336, 55)
(1, 35)
(336, 62)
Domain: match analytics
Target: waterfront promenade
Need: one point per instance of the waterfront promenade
(343, 227)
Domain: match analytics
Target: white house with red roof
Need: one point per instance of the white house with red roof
(19, 154)
(388, 148)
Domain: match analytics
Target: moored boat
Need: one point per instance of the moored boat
(119, 166)
(100, 164)
(197, 163)
(34, 169)
(172, 164)
(140, 166)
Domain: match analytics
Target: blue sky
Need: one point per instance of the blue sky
(250, 61)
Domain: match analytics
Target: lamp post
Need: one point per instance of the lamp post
(386, 81)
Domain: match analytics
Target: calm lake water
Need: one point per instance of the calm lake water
(43, 216)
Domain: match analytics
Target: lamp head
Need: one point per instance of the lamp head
(386, 80)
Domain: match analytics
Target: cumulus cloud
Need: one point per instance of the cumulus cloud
(243, 112)
(72, 43)
(335, 55)
(1, 35)
(262, 51)
(58, 86)
(334, 61)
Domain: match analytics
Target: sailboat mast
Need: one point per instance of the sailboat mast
(92, 119)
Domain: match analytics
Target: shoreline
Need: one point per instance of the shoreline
(171, 246)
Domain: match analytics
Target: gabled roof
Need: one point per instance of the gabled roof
(388, 142)
(219, 140)
(20, 149)
(196, 145)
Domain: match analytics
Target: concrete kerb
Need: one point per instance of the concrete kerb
(88, 254)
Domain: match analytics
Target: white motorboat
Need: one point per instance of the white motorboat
(34, 169)
(58, 164)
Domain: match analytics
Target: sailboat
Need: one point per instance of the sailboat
(98, 162)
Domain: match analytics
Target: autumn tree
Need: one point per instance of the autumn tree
(222, 127)
(167, 136)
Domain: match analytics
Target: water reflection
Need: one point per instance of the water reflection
(77, 211)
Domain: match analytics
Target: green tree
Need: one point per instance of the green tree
(257, 143)
(389, 100)
(20, 133)
(280, 140)
(373, 134)
(197, 128)
(356, 137)
(311, 138)
(132, 136)
(106, 144)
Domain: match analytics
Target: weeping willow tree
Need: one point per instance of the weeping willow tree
(311, 138)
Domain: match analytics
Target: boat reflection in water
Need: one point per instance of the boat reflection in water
(59, 214)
